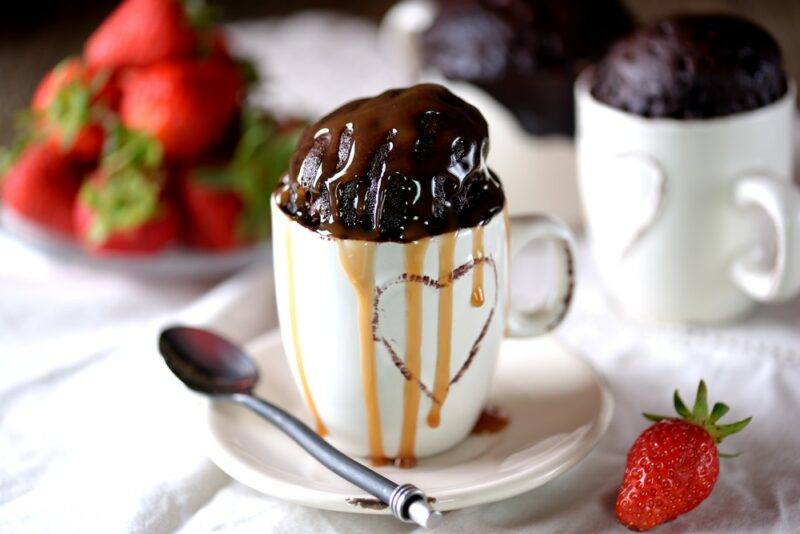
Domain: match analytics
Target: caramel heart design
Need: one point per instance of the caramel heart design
(437, 284)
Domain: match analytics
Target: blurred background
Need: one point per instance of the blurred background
(36, 35)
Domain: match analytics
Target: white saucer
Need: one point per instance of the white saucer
(559, 408)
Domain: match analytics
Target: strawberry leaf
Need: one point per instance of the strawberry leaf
(680, 406)
(723, 431)
(717, 412)
(121, 202)
(656, 418)
(248, 72)
(70, 111)
(200, 14)
(699, 415)
(125, 148)
(25, 134)
(700, 410)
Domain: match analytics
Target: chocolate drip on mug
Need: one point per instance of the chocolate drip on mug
(401, 166)
(312, 407)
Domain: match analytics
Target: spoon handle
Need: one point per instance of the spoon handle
(406, 502)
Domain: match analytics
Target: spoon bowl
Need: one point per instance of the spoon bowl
(207, 363)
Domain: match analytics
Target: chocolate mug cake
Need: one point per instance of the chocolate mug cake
(391, 244)
(685, 149)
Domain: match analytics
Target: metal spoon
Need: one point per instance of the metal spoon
(212, 365)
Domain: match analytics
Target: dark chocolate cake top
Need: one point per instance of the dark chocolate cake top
(400, 166)
(692, 67)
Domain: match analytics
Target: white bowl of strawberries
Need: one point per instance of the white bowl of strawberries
(142, 153)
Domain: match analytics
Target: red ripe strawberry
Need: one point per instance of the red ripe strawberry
(65, 103)
(121, 207)
(213, 214)
(151, 234)
(186, 105)
(41, 186)
(673, 465)
(140, 32)
(227, 206)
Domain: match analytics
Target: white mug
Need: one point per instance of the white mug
(672, 208)
(538, 170)
(375, 331)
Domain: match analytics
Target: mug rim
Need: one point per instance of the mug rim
(275, 207)
(582, 92)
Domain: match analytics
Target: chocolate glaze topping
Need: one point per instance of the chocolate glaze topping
(406, 164)
(525, 53)
(692, 66)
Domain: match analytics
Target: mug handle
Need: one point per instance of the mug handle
(780, 200)
(524, 229)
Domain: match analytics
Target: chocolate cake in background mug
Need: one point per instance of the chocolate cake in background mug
(516, 61)
(685, 161)
(391, 248)
(692, 67)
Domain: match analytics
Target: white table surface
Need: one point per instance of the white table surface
(96, 436)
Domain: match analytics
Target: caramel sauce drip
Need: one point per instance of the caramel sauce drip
(318, 424)
(441, 381)
(491, 421)
(477, 298)
(414, 262)
(358, 261)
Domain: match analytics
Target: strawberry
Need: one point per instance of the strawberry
(121, 206)
(212, 214)
(41, 185)
(186, 105)
(68, 103)
(673, 465)
(227, 206)
(74, 70)
(140, 32)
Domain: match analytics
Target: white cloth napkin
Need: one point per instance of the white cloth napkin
(111, 442)
(97, 436)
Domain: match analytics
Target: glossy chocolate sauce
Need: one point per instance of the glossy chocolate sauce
(401, 166)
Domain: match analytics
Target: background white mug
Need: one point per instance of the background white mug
(673, 208)
(363, 322)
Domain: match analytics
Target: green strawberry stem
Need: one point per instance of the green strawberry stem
(70, 111)
(24, 134)
(700, 416)
(123, 202)
(130, 194)
(200, 14)
(130, 148)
